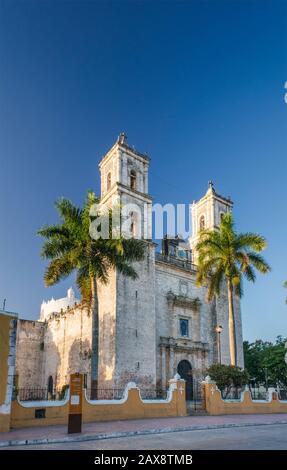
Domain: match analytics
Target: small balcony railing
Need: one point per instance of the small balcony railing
(176, 261)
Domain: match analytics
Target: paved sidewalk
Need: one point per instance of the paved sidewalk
(112, 429)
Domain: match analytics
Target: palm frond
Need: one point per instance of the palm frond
(252, 241)
(53, 231)
(68, 211)
(223, 251)
(259, 262)
(58, 269)
(214, 283)
(249, 273)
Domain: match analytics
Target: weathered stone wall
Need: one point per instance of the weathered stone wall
(119, 162)
(57, 347)
(8, 326)
(135, 325)
(107, 332)
(139, 336)
(175, 292)
(30, 353)
(67, 345)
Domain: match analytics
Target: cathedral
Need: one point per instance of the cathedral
(150, 328)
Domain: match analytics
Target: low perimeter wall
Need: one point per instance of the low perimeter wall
(131, 406)
(215, 405)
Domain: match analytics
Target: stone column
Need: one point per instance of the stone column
(124, 178)
(171, 363)
(145, 180)
(163, 367)
(119, 167)
(197, 326)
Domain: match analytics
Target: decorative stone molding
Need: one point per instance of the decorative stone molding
(183, 301)
(183, 344)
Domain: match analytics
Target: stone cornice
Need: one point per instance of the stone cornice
(211, 196)
(183, 301)
(125, 189)
(128, 150)
(182, 345)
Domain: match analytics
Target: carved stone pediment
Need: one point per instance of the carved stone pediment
(183, 345)
(183, 301)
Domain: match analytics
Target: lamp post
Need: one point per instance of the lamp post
(218, 330)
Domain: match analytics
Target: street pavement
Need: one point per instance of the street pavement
(234, 438)
(34, 435)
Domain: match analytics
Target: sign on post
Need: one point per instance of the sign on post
(75, 403)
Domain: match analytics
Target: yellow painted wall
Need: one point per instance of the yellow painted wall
(214, 404)
(22, 417)
(4, 351)
(4, 422)
(132, 408)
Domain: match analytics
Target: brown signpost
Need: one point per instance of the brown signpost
(75, 403)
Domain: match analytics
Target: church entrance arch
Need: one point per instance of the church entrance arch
(184, 369)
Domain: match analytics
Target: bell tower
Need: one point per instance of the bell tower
(124, 183)
(127, 328)
(206, 214)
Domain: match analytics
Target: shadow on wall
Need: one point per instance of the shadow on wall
(106, 350)
(79, 357)
(52, 363)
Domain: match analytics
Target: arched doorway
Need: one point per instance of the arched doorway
(50, 384)
(184, 369)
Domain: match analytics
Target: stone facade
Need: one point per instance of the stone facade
(8, 328)
(54, 348)
(149, 328)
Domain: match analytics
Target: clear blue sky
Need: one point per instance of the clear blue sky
(199, 85)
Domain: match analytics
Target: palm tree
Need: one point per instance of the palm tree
(69, 247)
(285, 285)
(224, 255)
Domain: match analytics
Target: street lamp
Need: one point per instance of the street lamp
(218, 330)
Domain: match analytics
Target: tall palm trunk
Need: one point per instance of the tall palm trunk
(95, 338)
(231, 325)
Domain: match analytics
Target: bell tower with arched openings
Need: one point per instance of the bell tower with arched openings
(124, 183)
(206, 214)
(127, 328)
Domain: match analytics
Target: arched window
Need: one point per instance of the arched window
(50, 384)
(202, 223)
(109, 181)
(133, 179)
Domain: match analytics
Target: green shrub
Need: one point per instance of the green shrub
(227, 376)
